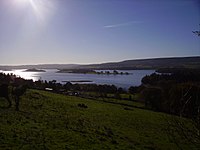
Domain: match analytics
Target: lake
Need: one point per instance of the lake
(124, 81)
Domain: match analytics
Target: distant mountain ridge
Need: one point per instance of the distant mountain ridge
(153, 63)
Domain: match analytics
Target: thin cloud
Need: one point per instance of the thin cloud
(122, 24)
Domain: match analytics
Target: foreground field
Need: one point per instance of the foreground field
(52, 121)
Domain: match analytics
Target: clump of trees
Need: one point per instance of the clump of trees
(176, 93)
(18, 87)
(4, 92)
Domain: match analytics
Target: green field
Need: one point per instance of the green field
(52, 121)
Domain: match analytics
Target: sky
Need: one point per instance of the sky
(96, 31)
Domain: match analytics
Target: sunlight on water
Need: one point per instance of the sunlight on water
(26, 75)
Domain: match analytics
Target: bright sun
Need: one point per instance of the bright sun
(40, 8)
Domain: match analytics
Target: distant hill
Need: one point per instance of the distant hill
(42, 66)
(154, 63)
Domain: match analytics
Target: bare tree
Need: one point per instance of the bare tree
(181, 130)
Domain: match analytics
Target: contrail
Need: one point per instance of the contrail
(122, 24)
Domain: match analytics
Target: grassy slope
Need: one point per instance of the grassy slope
(53, 121)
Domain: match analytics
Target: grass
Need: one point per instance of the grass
(52, 121)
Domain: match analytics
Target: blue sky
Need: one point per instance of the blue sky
(95, 31)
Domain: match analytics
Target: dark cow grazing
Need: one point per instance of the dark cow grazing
(82, 105)
(4, 92)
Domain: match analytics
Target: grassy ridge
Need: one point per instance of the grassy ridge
(53, 121)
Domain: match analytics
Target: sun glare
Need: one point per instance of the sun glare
(41, 8)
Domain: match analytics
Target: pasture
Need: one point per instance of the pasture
(53, 121)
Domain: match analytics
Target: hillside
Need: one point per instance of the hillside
(174, 62)
(52, 121)
(154, 63)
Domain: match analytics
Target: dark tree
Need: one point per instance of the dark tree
(133, 89)
(153, 98)
(4, 92)
(68, 86)
(17, 93)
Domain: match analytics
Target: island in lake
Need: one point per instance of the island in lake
(34, 70)
(88, 71)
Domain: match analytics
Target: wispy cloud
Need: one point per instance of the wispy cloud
(122, 24)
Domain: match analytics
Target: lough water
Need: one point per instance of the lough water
(124, 81)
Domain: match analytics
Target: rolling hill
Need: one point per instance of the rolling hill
(154, 63)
